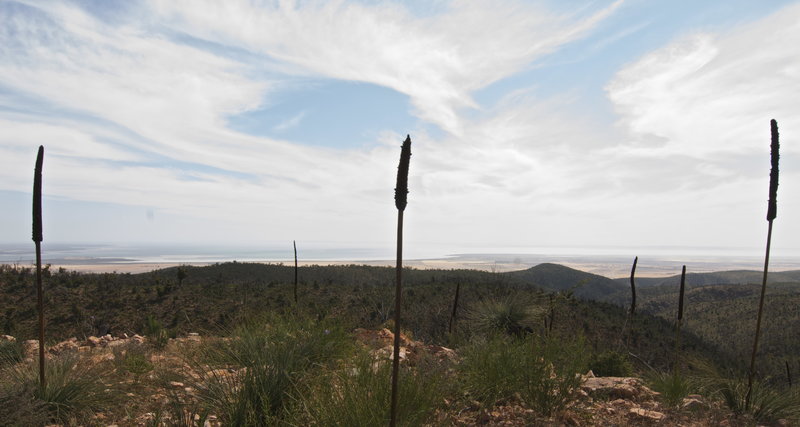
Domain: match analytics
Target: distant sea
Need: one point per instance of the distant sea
(608, 261)
(60, 253)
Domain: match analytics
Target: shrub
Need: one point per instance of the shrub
(610, 364)
(544, 372)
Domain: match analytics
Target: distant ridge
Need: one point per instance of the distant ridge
(556, 277)
(732, 277)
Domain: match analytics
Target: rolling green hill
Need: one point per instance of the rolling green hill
(733, 277)
(555, 277)
(221, 296)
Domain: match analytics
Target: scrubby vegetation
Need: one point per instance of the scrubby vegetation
(261, 359)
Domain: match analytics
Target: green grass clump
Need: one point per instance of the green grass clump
(249, 379)
(11, 352)
(513, 315)
(157, 335)
(72, 393)
(768, 403)
(133, 359)
(358, 395)
(541, 371)
(673, 387)
(18, 407)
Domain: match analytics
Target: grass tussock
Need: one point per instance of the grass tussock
(673, 387)
(542, 372)
(249, 378)
(357, 394)
(768, 403)
(73, 391)
(513, 315)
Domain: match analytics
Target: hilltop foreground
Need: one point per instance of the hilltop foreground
(227, 344)
(331, 378)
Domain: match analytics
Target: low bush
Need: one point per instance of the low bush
(610, 364)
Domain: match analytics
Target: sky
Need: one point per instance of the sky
(534, 124)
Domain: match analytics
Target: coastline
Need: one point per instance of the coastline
(611, 268)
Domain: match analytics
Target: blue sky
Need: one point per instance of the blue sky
(534, 123)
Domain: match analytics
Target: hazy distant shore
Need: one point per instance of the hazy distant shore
(608, 266)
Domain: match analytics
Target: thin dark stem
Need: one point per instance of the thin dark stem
(40, 308)
(752, 372)
(294, 243)
(633, 286)
(455, 307)
(397, 304)
(676, 368)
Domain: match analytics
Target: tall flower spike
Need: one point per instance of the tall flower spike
(37, 196)
(772, 210)
(401, 190)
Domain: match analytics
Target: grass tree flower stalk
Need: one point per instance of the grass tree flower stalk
(400, 201)
(294, 243)
(772, 212)
(676, 368)
(37, 239)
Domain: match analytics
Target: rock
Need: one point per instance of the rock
(137, 339)
(590, 374)
(379, 339)
(617, 387)
(644, 414)
(31, 349)
(116, 343)
(7, 338)
(692, 404)
(93, 341)
(442, 353)
(69, 345)
(176, 384)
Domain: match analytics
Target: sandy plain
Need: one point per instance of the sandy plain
(612, 267)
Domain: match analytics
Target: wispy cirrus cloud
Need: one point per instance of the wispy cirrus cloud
(437, 60)
(145, 102)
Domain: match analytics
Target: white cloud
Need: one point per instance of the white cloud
(437, 60)
(526, 171)
(711, 93)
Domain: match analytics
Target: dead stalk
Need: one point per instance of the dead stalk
(400, 201)
(37, 239)
(772, 212)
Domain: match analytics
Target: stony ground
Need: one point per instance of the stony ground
(601, 401)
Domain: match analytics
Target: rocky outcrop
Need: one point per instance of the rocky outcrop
(617, 388)
(382, 344)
